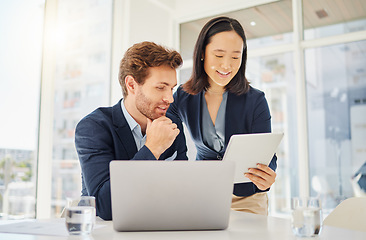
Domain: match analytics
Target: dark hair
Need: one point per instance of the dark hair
(142, 56)
(198, 80)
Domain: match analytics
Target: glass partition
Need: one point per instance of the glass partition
(336, 100)
(275, 76)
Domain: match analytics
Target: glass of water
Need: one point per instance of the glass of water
(306, 216)
(80, 215)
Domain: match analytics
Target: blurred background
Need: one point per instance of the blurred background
(60, 59)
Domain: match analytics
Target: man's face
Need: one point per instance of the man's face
(155, 95)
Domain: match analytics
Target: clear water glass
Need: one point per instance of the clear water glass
(306, 216)
(80, 215)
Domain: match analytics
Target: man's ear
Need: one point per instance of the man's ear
(130, 84)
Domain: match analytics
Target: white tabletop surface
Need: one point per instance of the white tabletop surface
(241, 226)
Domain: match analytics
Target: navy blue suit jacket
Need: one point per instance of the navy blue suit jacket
(104, 135)
(247, 113)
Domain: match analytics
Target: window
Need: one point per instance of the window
(82, 77)
(275, 76)
(336, 96)
(20, 70)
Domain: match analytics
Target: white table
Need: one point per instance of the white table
(241, 226)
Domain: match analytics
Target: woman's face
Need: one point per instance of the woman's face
(222, 57)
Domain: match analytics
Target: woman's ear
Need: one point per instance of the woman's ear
(130, 84)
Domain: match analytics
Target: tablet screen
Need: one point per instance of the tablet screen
(246, 150)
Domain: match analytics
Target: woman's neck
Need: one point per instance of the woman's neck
(215, 90)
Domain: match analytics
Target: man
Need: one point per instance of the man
(136, 128)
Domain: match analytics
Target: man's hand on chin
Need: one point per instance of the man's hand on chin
(160, 135)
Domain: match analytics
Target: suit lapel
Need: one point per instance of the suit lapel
(123, 130)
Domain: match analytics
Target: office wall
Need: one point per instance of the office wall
(150, 22)
(137, 21)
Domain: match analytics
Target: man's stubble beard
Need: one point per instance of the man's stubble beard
(143, 105)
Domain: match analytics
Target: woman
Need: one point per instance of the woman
(217, 102)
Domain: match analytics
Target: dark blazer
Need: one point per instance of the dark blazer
(247, 113)
(104, 135)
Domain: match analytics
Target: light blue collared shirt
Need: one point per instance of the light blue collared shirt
(135, 128)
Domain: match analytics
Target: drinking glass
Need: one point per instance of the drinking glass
(80, 215)
(306, 216)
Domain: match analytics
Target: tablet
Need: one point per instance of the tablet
(246, 150)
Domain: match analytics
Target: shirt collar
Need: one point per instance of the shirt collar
(131, 122)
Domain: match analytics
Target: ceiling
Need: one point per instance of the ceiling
(276, 18)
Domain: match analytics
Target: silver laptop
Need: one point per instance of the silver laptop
(171, 195)
(246, 150)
